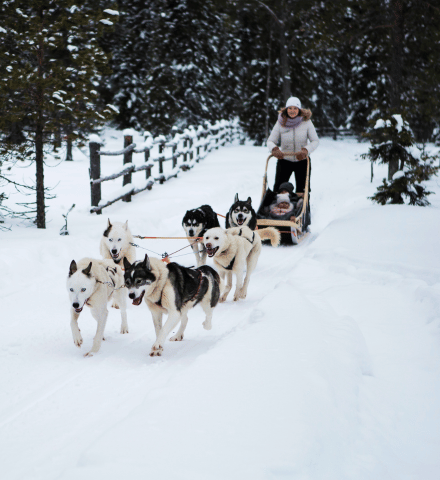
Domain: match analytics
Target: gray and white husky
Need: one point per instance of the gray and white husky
(116, 242)
(171, 289)
(94, 283)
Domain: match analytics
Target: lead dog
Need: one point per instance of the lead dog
(195, 223)
(116, 242)
(93, 283)
(173, 290)
(233, 250)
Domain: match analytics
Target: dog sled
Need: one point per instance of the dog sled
(292, 232)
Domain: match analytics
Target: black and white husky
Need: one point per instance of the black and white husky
(241, 214)
(173, 290)
(195, 223)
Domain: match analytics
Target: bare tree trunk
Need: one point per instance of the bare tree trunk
(281, 21)
(396, 69)
(39, 156)
(269, 68)
(69, 156)
(41, 216)
(285, 73)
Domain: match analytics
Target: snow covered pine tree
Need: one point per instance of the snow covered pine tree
(392, 140)
(50, 63)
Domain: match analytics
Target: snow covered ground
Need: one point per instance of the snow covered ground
(330, 369)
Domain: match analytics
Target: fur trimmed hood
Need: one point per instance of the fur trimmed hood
(304, 112)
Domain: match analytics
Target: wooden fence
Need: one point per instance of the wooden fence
(334, 132)
(184, 151)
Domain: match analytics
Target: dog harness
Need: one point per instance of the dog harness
(253, 237)
(159, 302)
(231, 265)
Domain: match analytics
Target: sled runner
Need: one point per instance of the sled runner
(292, 232)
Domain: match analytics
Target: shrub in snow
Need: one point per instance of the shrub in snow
(393, 141)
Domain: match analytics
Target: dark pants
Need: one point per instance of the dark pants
(285, 170)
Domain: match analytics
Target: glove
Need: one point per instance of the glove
(276, 152)
(302, 155)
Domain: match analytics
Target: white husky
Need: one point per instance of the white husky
(116, 243)
(93, 283)
(234, 250)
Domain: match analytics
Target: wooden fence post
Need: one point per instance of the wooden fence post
(191, 153)
(128, 158)
(161, 159)
(147, 158)
(174, 155)
(95, 173)
(185, 146)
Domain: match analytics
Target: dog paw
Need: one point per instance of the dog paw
(176, 338)
(243, 294)
(88, 354)
(115, 305)
(78, 341)
(156, 351)
(223, 298)
(207, 325)
(236, 297)
(124, 329)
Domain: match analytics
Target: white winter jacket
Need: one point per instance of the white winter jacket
(293, 139)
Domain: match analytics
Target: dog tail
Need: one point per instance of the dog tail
(270, 233)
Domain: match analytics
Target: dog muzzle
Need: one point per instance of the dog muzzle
(210, 250)
(77, 308)
(138, 300)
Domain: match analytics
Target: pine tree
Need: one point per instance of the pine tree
(170, 59)
(50, 64)
(393, 141)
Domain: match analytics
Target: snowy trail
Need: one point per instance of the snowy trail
(329, 368)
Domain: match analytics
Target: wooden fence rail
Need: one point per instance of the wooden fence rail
(191, 146)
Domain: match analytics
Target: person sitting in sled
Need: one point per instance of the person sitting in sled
(283, 203)
(292, 130)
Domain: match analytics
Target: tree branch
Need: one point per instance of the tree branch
(268, 9)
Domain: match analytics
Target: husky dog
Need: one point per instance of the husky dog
(174, 290)
(233, 250)
(93, 283)
(116, 242)
(241, 214)
(195, 223)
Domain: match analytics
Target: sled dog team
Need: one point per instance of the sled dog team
(171, 288)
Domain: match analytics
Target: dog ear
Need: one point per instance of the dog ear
(249, 200)
(107, 230)
(236, 198)
(127, 264)
(73, 268)
(147, 262)
(86, 271)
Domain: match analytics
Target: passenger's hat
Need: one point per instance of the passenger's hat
(286, 186)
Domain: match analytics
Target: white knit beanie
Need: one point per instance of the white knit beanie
(293, 102)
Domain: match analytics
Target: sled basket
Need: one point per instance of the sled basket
(297, 228)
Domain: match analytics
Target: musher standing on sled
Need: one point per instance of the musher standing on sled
(294, 128)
